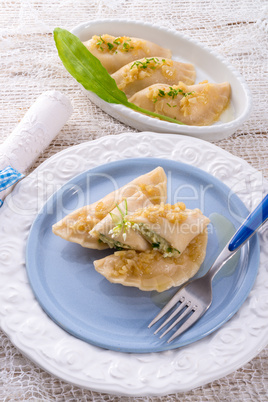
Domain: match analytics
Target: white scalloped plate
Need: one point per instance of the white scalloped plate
(209, 66)
(88, 366)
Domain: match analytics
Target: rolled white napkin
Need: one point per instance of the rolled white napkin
(37, 129)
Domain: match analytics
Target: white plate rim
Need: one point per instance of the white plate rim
(142, 122)
(70, 359)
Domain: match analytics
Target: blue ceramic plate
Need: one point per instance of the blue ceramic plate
(115, 317)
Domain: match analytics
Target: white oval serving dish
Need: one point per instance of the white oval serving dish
(209, 66)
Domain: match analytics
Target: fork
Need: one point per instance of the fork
(195, 297)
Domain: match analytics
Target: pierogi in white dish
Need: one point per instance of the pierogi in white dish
(142, 73)
(198, 105)
(115, 52)
(153, 82)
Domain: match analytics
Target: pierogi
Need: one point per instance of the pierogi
(198, 105)
(162, 245)
(116, 231)
(142, 73)
(149, 270)
(76, 226)
(115, 52)
(168, 228)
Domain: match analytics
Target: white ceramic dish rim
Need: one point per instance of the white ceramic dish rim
(163, 126)
(70, 359)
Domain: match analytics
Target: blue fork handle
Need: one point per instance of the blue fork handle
(250, 225)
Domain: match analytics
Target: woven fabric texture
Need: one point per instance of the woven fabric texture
(29, 65)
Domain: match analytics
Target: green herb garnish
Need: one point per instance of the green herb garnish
(90, 73)
(121, 223)
(138, 64)
(161, 93)
(101, 41)
(117, 41)
(173, 92)
(126, 46)
(146, 63)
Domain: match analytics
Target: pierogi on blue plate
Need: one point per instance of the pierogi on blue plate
(149, 270)
(77, 225)
(177, 237)
(161, 245)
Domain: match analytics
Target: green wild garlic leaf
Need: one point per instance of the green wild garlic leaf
(86, 68)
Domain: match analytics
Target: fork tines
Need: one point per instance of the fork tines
(185, 308)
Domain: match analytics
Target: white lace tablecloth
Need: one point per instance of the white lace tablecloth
(236, 29)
